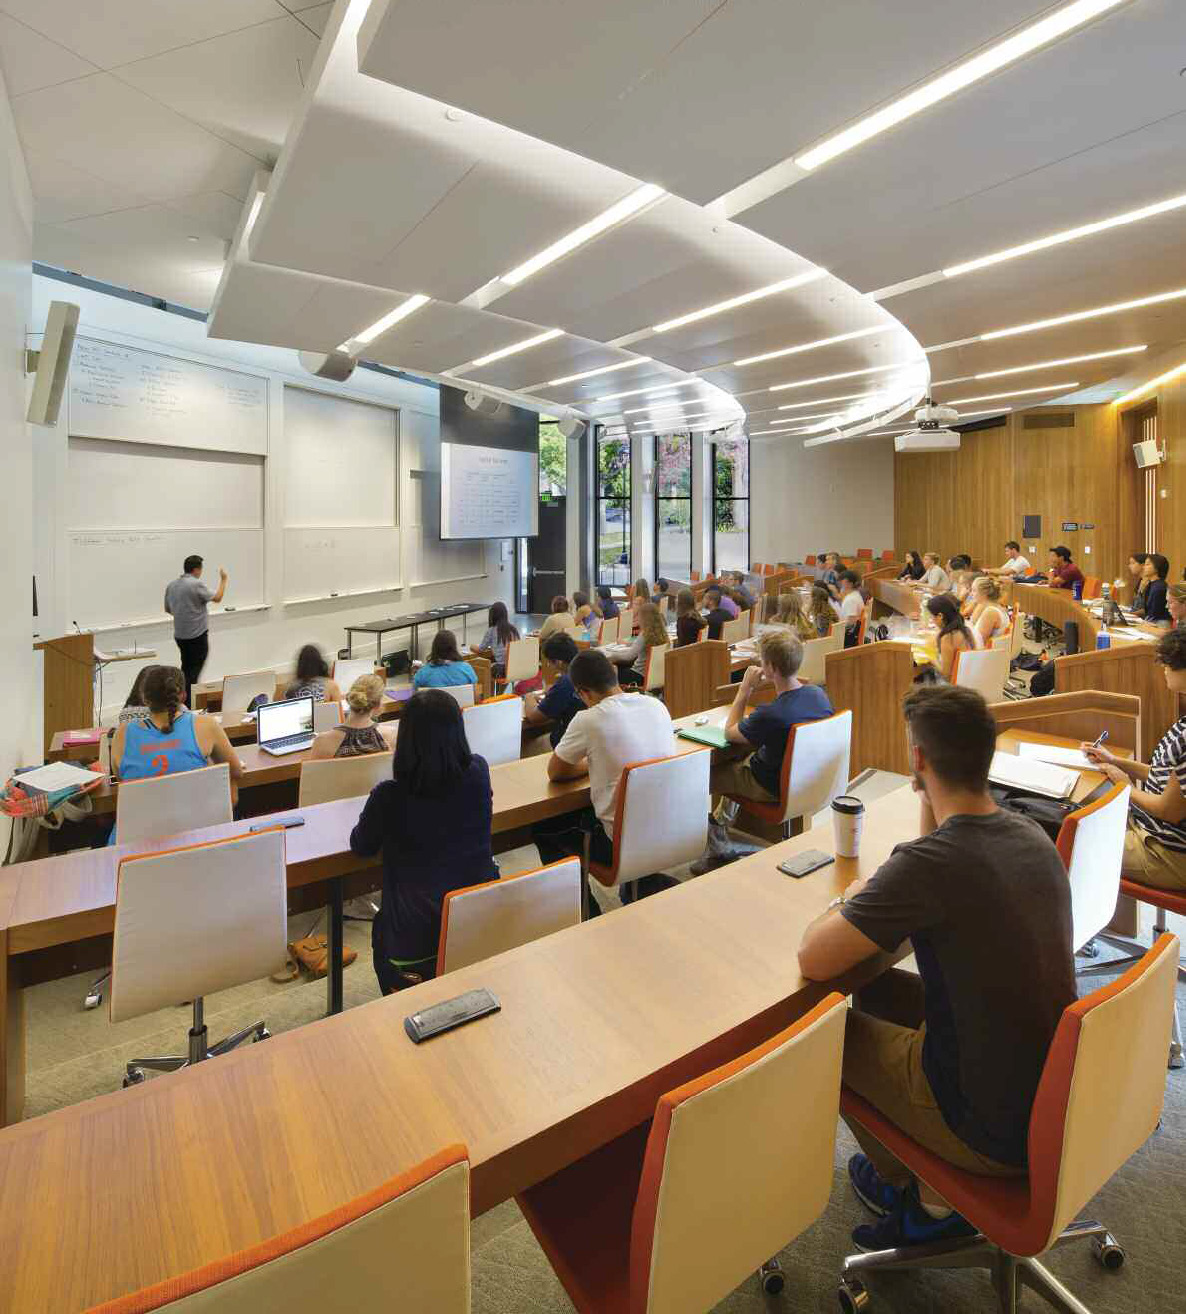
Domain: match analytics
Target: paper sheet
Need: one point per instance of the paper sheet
(1059, 756)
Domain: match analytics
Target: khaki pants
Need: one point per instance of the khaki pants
(1149, 862)
(737, 778)
(883, 1064)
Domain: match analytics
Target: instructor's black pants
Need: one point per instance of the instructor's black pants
(193, 657)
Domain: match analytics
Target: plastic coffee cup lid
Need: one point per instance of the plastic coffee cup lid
(847, 803)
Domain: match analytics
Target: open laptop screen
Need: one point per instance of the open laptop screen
(294, 716)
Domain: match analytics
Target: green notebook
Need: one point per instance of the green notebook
(712, 735)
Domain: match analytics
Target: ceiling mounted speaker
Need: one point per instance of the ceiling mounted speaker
(484, 404)
(337, 366)
(52, 362)
(572, 426)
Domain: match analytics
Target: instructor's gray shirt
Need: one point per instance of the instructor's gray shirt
(185, 601)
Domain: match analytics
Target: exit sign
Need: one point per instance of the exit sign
(1069, 526)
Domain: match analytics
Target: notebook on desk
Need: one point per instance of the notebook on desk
(712, 735)
(1035, 777)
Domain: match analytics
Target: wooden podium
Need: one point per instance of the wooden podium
(69, 683)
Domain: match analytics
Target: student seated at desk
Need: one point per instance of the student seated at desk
(954, 634)
(445, 668)
(358, 734)
(432, 823)
(688, 621)
(1136, 570)
(605, 601)
(652, 633)
(171, 739)
(499, 632)
(311, 678)
(135, 707)
(662, 591)
(739, 593)
(716, 613)
(1153, 595)
(791, 614)
(852, 606)
(559, 702)
(1015, 564)
(1061, 570)
(585, 613)
(934, 576)
(913, 569)
(830, 575)
(1175, 603)
(823, 611)
(988, 618)
(615, 729)
(561, 621)
(954, 1055)
(1155, 842)
(640, 597)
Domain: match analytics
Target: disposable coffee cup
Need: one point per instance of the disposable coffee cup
(848, 813)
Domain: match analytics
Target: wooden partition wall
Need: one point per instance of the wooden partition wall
(692, 674)
(1127, 669)
(872, 680)
(1081, 715)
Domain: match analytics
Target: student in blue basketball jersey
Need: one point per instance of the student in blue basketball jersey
(171, 738)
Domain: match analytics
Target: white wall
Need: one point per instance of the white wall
(257, 639)
(839, 496)
(20, 730)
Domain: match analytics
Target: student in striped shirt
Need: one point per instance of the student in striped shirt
(1155, 844)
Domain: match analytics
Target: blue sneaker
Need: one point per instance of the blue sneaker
(910, 1225)
(871, 1189)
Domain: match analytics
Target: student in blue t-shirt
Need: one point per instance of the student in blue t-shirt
(757, 774)
(560, 702)
(444, 668)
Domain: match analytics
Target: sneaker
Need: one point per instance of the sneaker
(910, 1225)
(719, 843)
(871, 1189)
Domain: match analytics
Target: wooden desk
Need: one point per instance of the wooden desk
(597, 1021)
(1057, 607)
(895, 595)
(1129, 668)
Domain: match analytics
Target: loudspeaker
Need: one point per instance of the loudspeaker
(484, 404)
(571, 426)
(1031, 528)
(53, 362)
(337, 366)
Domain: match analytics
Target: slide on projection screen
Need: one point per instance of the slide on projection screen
(489, 471)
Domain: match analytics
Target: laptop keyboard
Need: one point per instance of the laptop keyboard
(289, 740)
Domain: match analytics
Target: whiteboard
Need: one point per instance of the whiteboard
(141, 396)
(118, 577)
(437, 561)
(112, 483)
(488, 492)
(322, 563)
(340, 461)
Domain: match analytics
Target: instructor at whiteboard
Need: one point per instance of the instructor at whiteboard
(185, 601)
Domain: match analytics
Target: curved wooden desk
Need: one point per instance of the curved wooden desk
(1057, 607)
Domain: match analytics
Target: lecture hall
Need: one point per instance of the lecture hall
(592, 656)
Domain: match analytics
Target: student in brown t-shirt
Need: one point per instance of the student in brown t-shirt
(954, 1055)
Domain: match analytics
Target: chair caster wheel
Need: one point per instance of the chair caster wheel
(93, 1000)
(1176, 1058)
(262, 1034)
(853, 1296)
(772, 1277)
(134, 1077)
(1108, 1251)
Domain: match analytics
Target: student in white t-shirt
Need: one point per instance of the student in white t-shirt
(615, 729)
(936, 578)
(852, 606)
(1016, 563)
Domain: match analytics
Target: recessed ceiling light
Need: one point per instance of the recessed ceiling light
(831, 378)
(626, 208)
(1097, 312)
(1067, 235)
(811, 346)
(1021, 392)
(956, 79)
(589, 374)
(719, 307)
(514, 348)
(1040, 365)
(380, 326)
(1175, 373)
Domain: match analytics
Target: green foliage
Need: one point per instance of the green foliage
(553, 460)
(613, 467)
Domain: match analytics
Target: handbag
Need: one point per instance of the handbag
(312, 953)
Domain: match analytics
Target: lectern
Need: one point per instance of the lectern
(69, 683)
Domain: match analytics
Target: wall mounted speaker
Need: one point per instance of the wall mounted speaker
(571, 426)
(337, 366)
(484, 404)
(52, 362)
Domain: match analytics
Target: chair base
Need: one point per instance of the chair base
(1010, 1274)
(94, 996)
(199, 1049)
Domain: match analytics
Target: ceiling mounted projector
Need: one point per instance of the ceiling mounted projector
(337, 366)
(931, 433)
(484, 404)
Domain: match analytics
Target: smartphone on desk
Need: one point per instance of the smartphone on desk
(803, 864)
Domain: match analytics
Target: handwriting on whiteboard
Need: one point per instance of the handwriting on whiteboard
(115, 539)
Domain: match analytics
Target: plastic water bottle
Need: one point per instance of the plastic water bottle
(1077, 590)
(1106, 591)
(1103, 639)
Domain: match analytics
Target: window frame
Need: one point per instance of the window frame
(717, 499)
(625, 502)
(658, 497)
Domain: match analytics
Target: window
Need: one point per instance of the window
(730, 506)
(553, 461)
(613, 511)
(673, 506)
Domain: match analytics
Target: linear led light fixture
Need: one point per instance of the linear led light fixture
(811, 346)
(393, 317)
(804, 419)
(1021, 392)
(1097, 312)
(666, 406)
(1175, 373)
(963, 75)
(1041, 365)
(824, 401)
(831, 378)
(640, 392)
(589, 374)
(503, 352)
(626, 208)
(674, 419)
(1068, 235)
(719, 307)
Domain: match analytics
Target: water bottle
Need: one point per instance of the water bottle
(1106, 591)
(1077, 590)
(1103, 639)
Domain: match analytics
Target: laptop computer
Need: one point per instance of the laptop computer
(285, 727)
